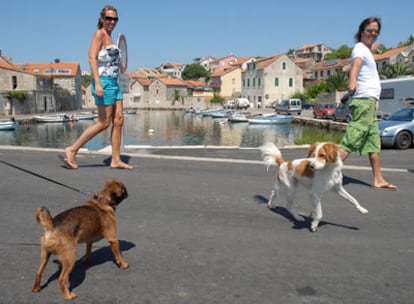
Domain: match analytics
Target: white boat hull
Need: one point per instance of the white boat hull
(8, 125)
(272, 120)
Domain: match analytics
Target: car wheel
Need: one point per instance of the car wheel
(333, 117)
(403, 140)
(347, 119)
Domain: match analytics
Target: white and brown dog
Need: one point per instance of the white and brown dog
(320, 172)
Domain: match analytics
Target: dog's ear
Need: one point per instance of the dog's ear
(117, 191)
(332, 152)
(312, 148)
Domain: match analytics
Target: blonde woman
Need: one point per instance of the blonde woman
(104, 57)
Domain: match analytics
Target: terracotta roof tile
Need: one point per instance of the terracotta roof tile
(59, 69)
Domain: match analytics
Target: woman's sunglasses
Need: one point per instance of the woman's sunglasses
(109, 18)
(372, 31)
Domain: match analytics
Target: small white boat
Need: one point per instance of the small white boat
(190, 110)
(85, 116)
(241, 116)
(8, 125)
(208, 113)
(130, 111)
(273, 119)
(55, 118)
(221, 113)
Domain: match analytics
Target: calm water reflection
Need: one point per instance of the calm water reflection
(170, 128)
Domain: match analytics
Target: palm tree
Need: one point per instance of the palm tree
(337, 81)
(396, 70)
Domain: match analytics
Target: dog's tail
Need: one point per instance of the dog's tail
(271, 155)
(44, 218)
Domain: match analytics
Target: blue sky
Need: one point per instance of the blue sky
(180, 30)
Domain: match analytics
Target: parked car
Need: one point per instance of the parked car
(342, 113)
(398, 129)
(242, 103)
(230, 104)
(289, 106)
(324, 110)
(307, 105)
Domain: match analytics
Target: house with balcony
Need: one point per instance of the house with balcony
(172, 69)
(317, 51)
(324, 69)
(403, 54)
(48, 87)
(271, 79)
(227, 82)
(222, 64)
(66, 82)
(204, 61)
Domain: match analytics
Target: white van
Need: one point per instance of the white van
(289, 106)
(395, 94)
(242, 103)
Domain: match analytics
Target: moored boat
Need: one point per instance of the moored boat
(8, 125)
(273, 119)
(85, 116)
(55, 118)
(241, 116)
(221, 113)
(130, 111)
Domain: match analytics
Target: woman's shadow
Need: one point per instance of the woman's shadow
(100, 256)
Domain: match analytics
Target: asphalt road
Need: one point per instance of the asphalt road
(195, 229)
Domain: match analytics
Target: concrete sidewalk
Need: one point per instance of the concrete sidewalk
(195, 229)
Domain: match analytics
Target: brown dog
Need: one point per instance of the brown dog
(85, 224)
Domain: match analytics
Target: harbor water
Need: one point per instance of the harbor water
(156, 128)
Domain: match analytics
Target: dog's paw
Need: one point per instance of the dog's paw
(362, 210)
(314, 226)
(36, 289)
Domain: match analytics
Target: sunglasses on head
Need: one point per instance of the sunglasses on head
(109, 18)
(372, 31)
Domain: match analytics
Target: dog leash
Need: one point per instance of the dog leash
(47, 179)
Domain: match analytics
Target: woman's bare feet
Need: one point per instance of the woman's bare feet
(120, 165)
(71, 158)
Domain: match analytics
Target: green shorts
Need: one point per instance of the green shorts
(362, 133)
(112, 91)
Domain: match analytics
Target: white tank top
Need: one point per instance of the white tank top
(108, 61)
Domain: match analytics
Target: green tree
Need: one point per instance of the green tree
(176, 96)
(217, 98)
(194, 72)
(409, 41)
(337, 81)
(12, 95)
(313, 91)
(86, 80)
(396, 70)
(343, 52)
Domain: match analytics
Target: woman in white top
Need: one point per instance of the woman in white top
(104, 57)
(362, 134)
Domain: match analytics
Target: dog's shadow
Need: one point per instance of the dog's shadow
(260, 199)
(98, 257)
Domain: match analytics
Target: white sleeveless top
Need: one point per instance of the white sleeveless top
(108, 61)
